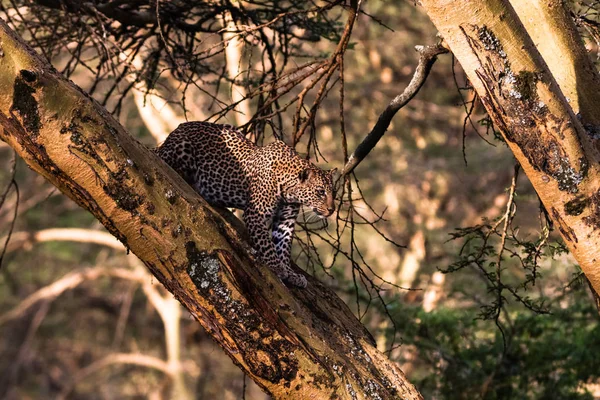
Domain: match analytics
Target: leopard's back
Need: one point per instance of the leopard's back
(212, 158)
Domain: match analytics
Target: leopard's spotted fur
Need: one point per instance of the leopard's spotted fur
(269, 183)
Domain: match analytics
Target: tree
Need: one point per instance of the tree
(300, 343)
(525, 60)
(511, 61)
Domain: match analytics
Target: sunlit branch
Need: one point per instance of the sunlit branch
(20, 239)
(427, 57)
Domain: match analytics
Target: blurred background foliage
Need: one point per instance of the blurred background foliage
(496, 309)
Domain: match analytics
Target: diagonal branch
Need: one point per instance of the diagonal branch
(427, 56)
(26, 239)
(294, 343)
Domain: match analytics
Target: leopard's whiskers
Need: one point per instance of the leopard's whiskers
(309, 217)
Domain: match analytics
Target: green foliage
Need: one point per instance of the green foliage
(547, 356)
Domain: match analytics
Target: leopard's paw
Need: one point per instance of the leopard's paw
(296, 280)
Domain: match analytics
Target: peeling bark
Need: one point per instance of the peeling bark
(555, 35)
(294, 343)
(523, 98)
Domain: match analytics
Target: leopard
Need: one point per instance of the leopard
(268, 183)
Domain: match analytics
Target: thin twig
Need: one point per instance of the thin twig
(508, 216)
(12, 183)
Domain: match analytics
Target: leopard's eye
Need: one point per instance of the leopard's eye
(321, 192)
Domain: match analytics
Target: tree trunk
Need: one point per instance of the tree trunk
(523, 98)
(294, 343)
(555, 35)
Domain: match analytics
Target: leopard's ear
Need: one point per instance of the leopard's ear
(304, 175)
(333, 171)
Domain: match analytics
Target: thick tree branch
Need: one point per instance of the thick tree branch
(427, 57)
(552, 29)
(521, 95)
(293, 343)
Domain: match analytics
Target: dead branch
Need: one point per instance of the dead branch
(20, 239)
(427, 57)
(68, 282)
(301, 124)
(169, 310)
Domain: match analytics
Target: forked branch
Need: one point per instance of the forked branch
(427, 56)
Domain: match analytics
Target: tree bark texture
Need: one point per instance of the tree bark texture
(301, 344)
(523, 98)
(551, 27)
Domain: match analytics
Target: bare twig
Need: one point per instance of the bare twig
(301, 124)
(507, 217)
(12, 183)
(124, 315)
(427, 56)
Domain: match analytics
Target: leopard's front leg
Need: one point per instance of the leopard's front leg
(259, 224)
(284, 222)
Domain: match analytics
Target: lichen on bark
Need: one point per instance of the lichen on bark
(520, 114)
(267, 354)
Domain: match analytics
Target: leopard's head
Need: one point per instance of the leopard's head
(314, 189)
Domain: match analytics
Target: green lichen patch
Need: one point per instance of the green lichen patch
(566, 176)
(24, 103)
(576, 206)
(520, 85)
(546, 155)
(266, 353)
